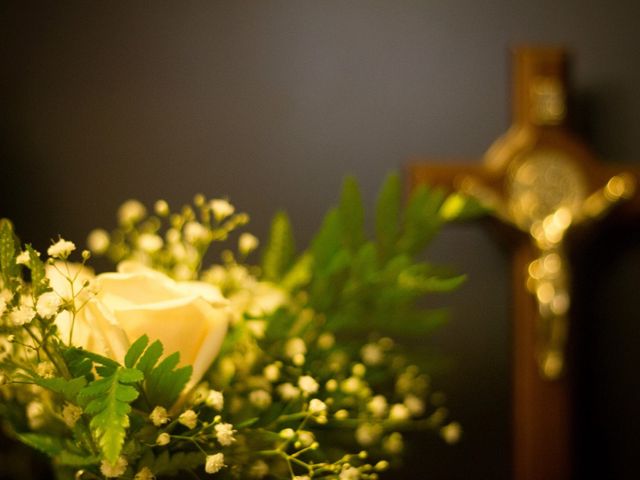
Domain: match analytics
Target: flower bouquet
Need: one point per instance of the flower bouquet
(176, 366)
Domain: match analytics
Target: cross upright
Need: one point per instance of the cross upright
(539, 180)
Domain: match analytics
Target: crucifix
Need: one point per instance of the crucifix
(539, 181)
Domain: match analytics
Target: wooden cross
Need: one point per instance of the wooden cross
(539, 181)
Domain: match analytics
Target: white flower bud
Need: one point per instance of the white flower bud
(221, 209)
(130, 212)
(98, 241)
(247, 243)
(214, 463)
(159, 416)
(214, 400)
(189, 419)
(308, 384)
(163, 439)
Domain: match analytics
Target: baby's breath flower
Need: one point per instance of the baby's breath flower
(112, 470)
(161, 207)
(351, 385)
(399, 412)
(195, 232)
(172, 235)
(46, 369)
(98, 241)
(288, 391)
(149, 242)
(221, 208)
(393, 444)
(295, 346)
(130, 212)
(144, 474)
(259, 469)
(382, 465)
(451, 432)
(359, 370)
(308, 384)
(317, 406)
(35, 414)
(163, 439)
(71, 414)
(189, 419)
(378, 406)
(415, 405)
(271, 372)
(306, 438)
(23, 258)
(349, 473)
(214, 400)
(22, 315)
(367, 434)
(214, 463)
(48, 304)
(247, 243)
(371, 354)
(301, 477)
(331, 385)
(326, 340)
(287, 433)
(341, 414)
(224, 434)
(61, 249)
(260, 399)
(159, 416)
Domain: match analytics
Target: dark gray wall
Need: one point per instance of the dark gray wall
(272, 103)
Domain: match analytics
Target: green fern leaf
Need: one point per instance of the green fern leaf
(351, 211)
(108, 400)
(280, 249)
(388, 215)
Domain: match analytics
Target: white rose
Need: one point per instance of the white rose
(187, 317)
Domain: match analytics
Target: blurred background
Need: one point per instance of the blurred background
(272, 103)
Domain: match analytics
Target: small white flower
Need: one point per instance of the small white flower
(161, 207)
(306, 438)
(349, 473)
(399, 412)
(301, 477)
(163, 439)
(150, 243)
(260, 399)
(271, 372)
(288, 391)
(214, 463)
(295, 346)
(326, 340)
(189, 419)
(159, 416)
(259, 469)
(393, 444)
(22, 315)
(195, 232)
(372, 354)
(287, 433)
(130, 212)
(144, 474)
(451, 432)
(214, 400)
(308, 384)
(367, 434)
(221, 208)
(98, 241)
(61, 249)
(351, 385)
(247, 243)
(112, 470)
(48, 304)
(317, 406)
(224, 434)
(378, 406)
(35, 414)
(415, 405)
(46, 369)
(23, 258)
(71, 414)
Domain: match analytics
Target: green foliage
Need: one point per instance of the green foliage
(39, 281)
(8, 266)
(163, 382)
(364, 284)
(280, 248)
(166, 464)
(69, 389)
(107, 400)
